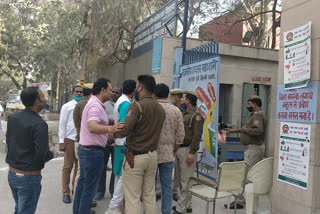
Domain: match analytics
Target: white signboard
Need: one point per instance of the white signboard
(294, 153)
(43, 86)
(297, 57)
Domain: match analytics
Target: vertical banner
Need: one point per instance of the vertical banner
(297, 57)
(156, 56)
(203, 78)
(294, 154)
(178, 52)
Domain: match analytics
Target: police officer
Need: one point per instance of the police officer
(142, 128)
(252, 136)
(187, 153)
(175, 97)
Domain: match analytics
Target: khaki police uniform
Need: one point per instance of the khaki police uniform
(193, 125)
(252, 136)
(142, 128)
(176, 178)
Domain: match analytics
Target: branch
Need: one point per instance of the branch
(148, 7)
(251, 17)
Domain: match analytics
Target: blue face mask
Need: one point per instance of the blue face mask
(78, 99)
(183, 105)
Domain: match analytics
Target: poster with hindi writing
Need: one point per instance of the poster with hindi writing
(294, 154)
(203, 77)
(297, 105)
(297, 57)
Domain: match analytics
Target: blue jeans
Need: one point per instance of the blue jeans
(165, 173)
(91, 167)
(25, 191)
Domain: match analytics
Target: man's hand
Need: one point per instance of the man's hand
(111, 137)
(190, 159)
(117, 127)
(62, 147)
(228, 130)
(53, 151)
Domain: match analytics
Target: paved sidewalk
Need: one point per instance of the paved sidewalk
(51, 197)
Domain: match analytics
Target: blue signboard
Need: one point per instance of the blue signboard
(156, 56)
(297, 105)
(161, 23)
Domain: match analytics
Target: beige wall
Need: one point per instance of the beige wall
(287, 199)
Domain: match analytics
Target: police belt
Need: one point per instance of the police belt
(135, 152)
(184, 145)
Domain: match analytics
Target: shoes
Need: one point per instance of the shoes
(175, 197)
(239, 206)
(66, 199)
(92, 212)
(189, 210)
(158, 197)
(113, 211)
(93, 204)
(98, 196)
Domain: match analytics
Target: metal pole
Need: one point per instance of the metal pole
(185, 26)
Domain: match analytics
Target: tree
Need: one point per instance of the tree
(21, 36)
(260, 16)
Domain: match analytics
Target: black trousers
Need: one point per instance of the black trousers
(102, 183)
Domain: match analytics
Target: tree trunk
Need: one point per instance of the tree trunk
(266, 24)
(274, 25)
(15, 82)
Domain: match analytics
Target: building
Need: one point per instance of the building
(227, 29)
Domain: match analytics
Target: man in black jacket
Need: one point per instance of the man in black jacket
(28, 151)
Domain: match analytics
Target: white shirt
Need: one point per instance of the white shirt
(66, 124)
(109, 109)
(123, 98)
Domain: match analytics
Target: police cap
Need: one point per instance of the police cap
(176, 91)
(254, 97)
(88, 85)
(192, 93)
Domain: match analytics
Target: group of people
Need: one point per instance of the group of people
(144, 127)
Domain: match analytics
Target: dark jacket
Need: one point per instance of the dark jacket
(27, 141)
(143, 125)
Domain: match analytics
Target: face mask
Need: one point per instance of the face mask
(136, 96)
(78, 99)
(183, 105)
(250, 109)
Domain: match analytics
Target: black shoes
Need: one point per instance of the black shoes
(238, 206)
(175, 197)
(158, 197)
(66, 199)
(189, 210)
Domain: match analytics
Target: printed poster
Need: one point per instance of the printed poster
(156, 56)
(294, 153)
(203, 78)
(298, 105)
(297, 57)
